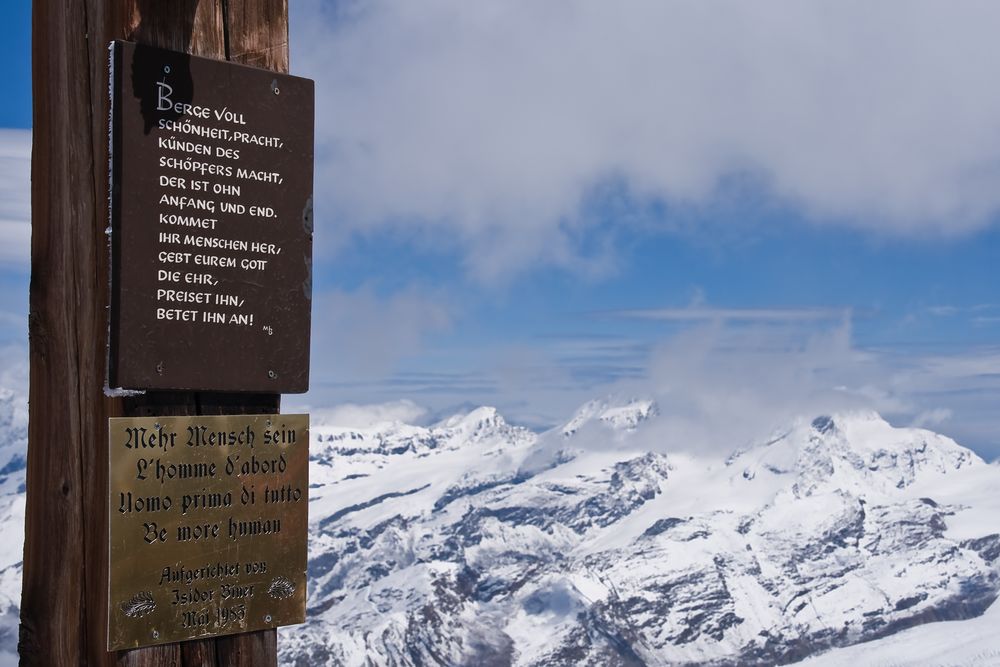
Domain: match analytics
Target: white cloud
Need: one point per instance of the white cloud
(363, 416)
(15, 197)
(932, 418)
(719, 381)
(718, 386)
(493, 122)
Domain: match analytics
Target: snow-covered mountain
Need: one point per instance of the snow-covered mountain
(13, 442)
(472, 542)
(475, 542)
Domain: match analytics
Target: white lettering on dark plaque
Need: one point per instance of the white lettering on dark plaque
(212, 224)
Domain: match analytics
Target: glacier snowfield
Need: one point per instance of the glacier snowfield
(836, 540)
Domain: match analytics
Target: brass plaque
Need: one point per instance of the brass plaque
(208, 526)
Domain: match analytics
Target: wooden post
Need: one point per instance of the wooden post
(65, 582)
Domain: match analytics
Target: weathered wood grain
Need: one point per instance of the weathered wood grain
(252, 649)
(64, 309)
(258, 33)
(65, 578)
(168, 655)
(198, 653)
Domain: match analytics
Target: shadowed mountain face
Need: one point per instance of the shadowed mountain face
(475, 542)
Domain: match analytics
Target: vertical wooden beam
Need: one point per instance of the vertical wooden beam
(65, 308)
(258, 33)
(64, 598)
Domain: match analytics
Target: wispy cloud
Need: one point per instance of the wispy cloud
(932, 418)
(708, 314)
(15, 198)
(718, 386)
(14, 368)
(979, 310)
(720, 378)
(721, 382)
(981, 362)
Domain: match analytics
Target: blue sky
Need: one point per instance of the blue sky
(747, 213)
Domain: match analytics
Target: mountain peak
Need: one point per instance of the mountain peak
(852, 449)
(481, 425)
(476, 418)
(829, 422)
(624, 415)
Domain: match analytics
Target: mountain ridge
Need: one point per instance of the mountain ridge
(473, 541)
(622, 556)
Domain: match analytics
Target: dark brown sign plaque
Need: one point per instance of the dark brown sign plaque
(208, 518)
(211, 224)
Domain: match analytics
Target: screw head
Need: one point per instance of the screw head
(159, 368)
(156, 634)
(166, 69)
(277, 91)
(157, 426)
(267, 618)
(272, 374)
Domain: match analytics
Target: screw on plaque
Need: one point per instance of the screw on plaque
(159, 368)
(157, 426)
(166, 69)
(274, 87)
(156, 634)
(267, 618)
(272, 374)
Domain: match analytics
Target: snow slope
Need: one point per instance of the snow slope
(968, 643)
(474, 542)
(837, 540)
(13, 443)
